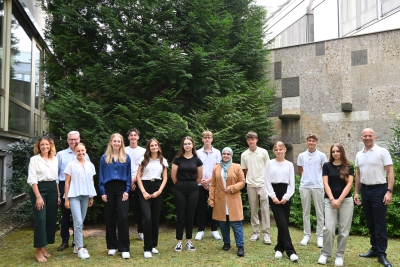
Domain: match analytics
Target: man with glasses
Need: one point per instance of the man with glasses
(64, 157)
(210, 157)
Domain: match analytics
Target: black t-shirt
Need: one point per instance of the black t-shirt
(187, 168)
(335, 182)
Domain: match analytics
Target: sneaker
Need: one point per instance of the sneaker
(147, 255)
(125, 255)
(339, 261)
(267, 239)
(254, 237)
(294, 257)
(226, 246)
(305, 240)
(278, 254)
(200, 236)
(112, 252)
(320, 242)
(83, 253)
(140, 236)
(178, 247)
(75, 249)
(322, 259)
(190, 246)
(154, 251)
(216, 235)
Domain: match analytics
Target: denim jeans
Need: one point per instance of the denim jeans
(79, 206)
(237, 228)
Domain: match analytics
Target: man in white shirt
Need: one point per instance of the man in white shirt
(135, 152)
(309, 164)
(64, 157)
(210, 157)
(253, 162)
(373, 163)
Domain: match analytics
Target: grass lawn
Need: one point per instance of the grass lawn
(16, 250)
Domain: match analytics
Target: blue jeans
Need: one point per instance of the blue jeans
(79, 206)
(237, 228)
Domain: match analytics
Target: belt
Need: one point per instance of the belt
(371, 186)
(152, 180)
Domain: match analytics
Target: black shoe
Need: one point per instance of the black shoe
(240, 252)
(382, 259)
(63, 246)
(226, 246)
(370, 254)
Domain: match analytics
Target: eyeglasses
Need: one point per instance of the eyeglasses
(77, 139)
(187, 144)
(207, 137)
(226, 154)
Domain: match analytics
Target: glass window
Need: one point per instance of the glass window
(37, 77)
(21, 60)
(19, 118)
(2, 182)
(36, 125)
(1, 65)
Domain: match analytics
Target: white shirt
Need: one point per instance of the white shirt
(40, 170)
(254, 162)
(209, 161)
(312, 168)
(81, 179)
(279, 172)
(153, 170)
(64, 157)
(135, 154)
(372, 165)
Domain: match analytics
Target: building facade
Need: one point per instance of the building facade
(22, 51)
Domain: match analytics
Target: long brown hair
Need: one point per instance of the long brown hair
(52, 151)
(147, 155)
(344, 168)
(182, 150)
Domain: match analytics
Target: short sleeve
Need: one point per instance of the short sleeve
(68, 169)
(325, 169)
(175, 161)
(387, 159)
(199, 162)
(351, 170)
(243, 163)
(165, 162)
(300, 160)
(93, 169)
(139, 162)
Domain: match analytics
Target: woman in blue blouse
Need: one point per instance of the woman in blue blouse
(115, 184)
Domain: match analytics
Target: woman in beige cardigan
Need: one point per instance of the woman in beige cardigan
(226, 181)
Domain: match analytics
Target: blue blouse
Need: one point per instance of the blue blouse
(115, 171)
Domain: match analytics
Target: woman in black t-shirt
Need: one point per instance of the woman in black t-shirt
(186, 173)
(338, 176)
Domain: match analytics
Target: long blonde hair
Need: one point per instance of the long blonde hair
(121, 153)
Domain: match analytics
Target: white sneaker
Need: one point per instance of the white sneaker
(294, 257)
(267, 239)
(83, 253)
(126, 255)
(200, 236)
(339, 261)
(320, 242)
(112, 252)
(178, 247)
(154, 251)
(140, 236)
(147, 255)
(278, 254)
(305, 240)
(216, 235)
(190, 246)
(254, 237)
(322, 259)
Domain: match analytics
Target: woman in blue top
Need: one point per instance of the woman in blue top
(115, 184)
(79, 193)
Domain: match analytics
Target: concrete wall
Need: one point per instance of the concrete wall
(336, 89)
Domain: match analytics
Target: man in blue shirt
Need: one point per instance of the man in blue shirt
(64, 157)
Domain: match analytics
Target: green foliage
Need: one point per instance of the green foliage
(168, 68)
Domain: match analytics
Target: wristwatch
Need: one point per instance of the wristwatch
(390, 190)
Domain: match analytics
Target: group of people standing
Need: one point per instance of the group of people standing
(209, 176)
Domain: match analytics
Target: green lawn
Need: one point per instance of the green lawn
(16, 250)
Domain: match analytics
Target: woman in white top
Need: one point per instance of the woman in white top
(79, 193)
(42, 177)
(151, 179)
(279, 184)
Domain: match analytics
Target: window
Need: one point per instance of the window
(2, 182)
(357, 13)
(1, 65)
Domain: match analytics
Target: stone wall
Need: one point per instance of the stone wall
(336, 89)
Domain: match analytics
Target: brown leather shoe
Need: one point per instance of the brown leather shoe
(63, 246)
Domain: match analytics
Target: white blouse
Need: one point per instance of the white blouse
(153, 170)
(81, 179)
(40, 170)
(279, 172)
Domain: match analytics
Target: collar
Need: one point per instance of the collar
(69, 150)
(202, 149)
(312, 153)
(372, 149)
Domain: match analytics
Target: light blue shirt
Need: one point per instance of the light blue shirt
(64, 157)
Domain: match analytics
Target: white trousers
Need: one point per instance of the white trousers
(259, 198)
(317, 195)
